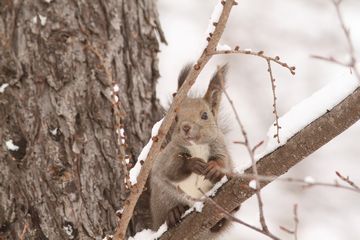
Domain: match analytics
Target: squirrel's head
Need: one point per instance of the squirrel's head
(196, 118)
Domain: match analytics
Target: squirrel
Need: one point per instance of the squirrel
(195, 157)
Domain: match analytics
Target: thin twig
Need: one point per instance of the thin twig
(302, 181)
(137, 189)
(272, 80)
(257, 146)
(268, 61)
(286, 230)
(347, 180)
(296, 223)
(253, 161)
(258, 54)
(331, 60)
(353, 61)
(234, 219)
(346, 31)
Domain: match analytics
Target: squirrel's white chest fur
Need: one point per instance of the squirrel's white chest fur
(191, 184)
(201, 151)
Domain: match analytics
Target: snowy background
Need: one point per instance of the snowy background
(293, 30)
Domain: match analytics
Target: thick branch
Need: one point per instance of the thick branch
(301, 145)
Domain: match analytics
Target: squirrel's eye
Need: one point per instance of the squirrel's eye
(204, 116)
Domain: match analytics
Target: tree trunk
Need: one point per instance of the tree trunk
(61, 60)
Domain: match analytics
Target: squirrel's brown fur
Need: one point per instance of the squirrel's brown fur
(196, 155)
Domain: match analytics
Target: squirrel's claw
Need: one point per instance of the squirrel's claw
(174, 215)
(213, 172)
(197, 165)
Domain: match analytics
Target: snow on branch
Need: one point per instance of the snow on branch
(310, 109)
(135, 171)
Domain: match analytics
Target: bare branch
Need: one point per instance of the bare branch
(286, 230)
(239, 142)
(276, 124)
(258, 54)
(307, 184)
(346, 30)
(331, 60)
(296, 222)
(353, 62)
(257, 146)
(253, 162)
(347, 180)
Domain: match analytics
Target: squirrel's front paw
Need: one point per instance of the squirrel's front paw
(174, 215)
(213, 172)
(196, 165)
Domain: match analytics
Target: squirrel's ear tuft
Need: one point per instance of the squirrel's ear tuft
(214, 91)
(183, 74)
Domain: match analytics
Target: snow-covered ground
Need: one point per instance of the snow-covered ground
(293, 30)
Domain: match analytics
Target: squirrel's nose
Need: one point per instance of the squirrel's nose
(186, 128)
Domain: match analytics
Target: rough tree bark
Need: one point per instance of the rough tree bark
(61, 60)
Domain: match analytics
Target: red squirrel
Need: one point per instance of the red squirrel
(196, 156)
